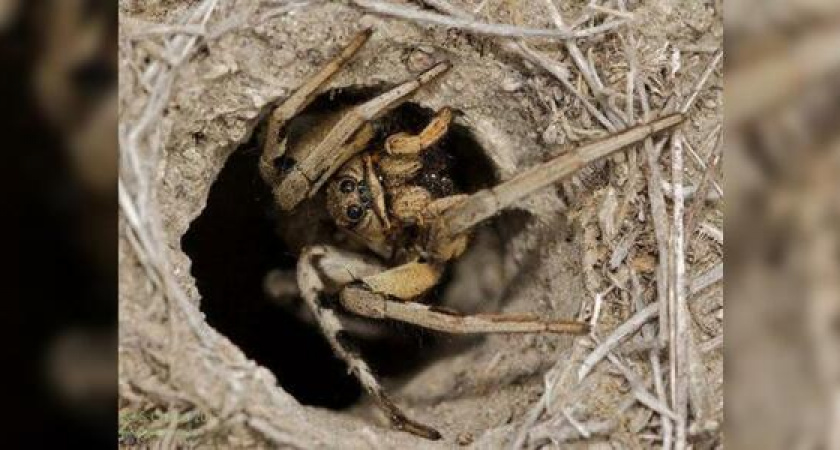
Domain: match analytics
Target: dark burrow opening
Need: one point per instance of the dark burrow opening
(233, 245)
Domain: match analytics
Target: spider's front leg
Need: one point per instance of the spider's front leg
(324, 269)
(389, 295)
(297, 173)
(402, 161)
(272, 161)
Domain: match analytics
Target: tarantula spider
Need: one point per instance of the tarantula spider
(373, 196)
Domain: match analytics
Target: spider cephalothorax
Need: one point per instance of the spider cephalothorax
(356, 202)
(378, 192)
(378, 198)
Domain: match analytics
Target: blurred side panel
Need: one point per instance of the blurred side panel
(58, 66)
(782, 174)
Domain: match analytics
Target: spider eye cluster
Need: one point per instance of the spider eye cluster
(347, 186)
(364, 194)
(354, 212)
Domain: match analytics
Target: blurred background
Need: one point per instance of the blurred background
(782, 172)
(782, 166)
(59, 80)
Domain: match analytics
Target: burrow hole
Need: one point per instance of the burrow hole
(233, 245)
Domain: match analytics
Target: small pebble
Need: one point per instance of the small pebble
(419, 60)
(552, 135)
(314, 56)
(464, 438)
(457, 85)
(511, 84)
(369, 21)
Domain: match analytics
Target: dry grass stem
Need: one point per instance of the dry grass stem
(714, 136)
(162, 29)
(696, 208)
(649, 333)
(546, 63)
(661, 229)
(700, 392)
(706, 279)
(581, 428)
(527, 426)
(586, 70)
(679, 342)
(712, 232)
(712, 344)
(640, 391)
(134, 187)
(619, 334)
(629, 44)
(612, 12)
(421, 16)
(622, 249)
(551, 67)
(701, 82)
(559, 434)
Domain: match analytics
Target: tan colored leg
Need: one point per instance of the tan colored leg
(316, 264)
(359, 300)
(402, 161)
(488, 202)
(409, 202)
(302, 97)
(407, 144)
(324, 160)
(444, 246)
(397, 170)
(438, 206)
(406, 281)
(307, 177)
(294, 187)
(382, 296)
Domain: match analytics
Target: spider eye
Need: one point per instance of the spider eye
(364, 193)
(354, 212)
(347, 186)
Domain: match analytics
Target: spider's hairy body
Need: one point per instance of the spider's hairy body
(383, 197)
(384, 189)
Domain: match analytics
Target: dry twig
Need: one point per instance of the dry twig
(587, 70)
(713, 136)
(418, 15)
(679, 344)
(660, 228)
(706, 279)
(701, 82)
(692, 217)
(620, 333)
